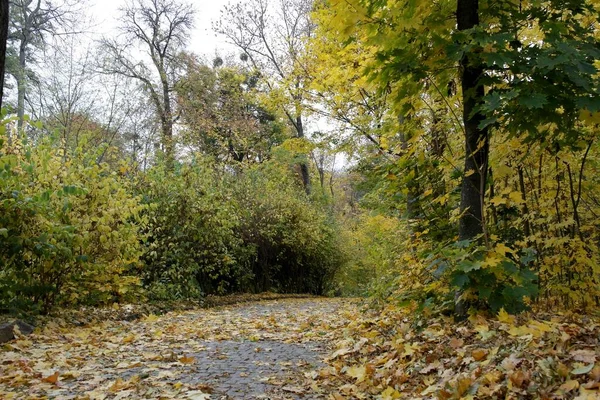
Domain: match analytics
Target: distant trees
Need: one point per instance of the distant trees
(224, 115)
(159, 29)
(272, 36)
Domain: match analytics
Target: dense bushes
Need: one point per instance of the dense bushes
(295, 244)
(68, 229)
(191, 246)
(223, 231)
(76, 231)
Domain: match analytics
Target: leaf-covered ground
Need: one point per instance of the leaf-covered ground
(391, 354)
(255, 350)
(309, 349)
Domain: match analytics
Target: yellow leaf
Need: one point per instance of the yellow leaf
(515, 197)
(497, 200)
(463, 385)
(187, 360)
(128, 339)
(357, 372)
(502, 249)
(505, 317)
(151, 318)
(519, 331)
(569, 385)
(390, 393)
(589, 117)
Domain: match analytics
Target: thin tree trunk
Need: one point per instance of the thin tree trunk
(4, 9)
(167, 128)
(471, 225)
(526, 223)
(21, 84)
(303, 165)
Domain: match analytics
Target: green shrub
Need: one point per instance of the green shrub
(68, 232)
(191, 248)
(295, 242)
(246, 230)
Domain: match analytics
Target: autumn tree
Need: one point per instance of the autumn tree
(272, 37)
(224, 115)
(515, 64)
(159, 29)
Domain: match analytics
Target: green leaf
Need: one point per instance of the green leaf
(583, 370)
(533, 100)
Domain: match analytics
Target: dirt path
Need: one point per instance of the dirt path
(250, 351)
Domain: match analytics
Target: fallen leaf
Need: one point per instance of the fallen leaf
(456, 343)
(569, 385)
(357, 372)
(582, 370)
(187, 360)
(479, 354)
(53, 379)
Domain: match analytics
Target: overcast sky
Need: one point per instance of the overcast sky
(202, 41)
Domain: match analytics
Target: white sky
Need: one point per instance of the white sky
(203, 40)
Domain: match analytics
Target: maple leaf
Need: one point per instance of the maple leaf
(53, 379)
(505, 317)
(479, 354)
(390, 394)
(357, 372)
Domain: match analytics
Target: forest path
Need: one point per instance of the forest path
(258, 350)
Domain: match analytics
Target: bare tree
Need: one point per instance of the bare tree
(272, 37)
(159, 29)
(4, 9)
(30, 22)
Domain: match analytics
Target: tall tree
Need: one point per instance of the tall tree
(4, 9)
(272, 36)
(526, 69)
(30, 22)
(159, 28)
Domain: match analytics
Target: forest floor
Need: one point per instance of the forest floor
(307, 348)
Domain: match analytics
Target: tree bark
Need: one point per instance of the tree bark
(167, 128)
(471, 225)
(21, 84)
(4, 9)
(303, 165)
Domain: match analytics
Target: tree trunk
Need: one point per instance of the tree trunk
(21, 84)
(303, 165)
(471, 224)
(167, 128)
(3, 37)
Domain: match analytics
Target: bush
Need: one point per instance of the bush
(294, 242)
(231, 230)
(191, 248)
(68, 232)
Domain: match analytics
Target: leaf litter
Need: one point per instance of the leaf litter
(360, 353)
(186, 354)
